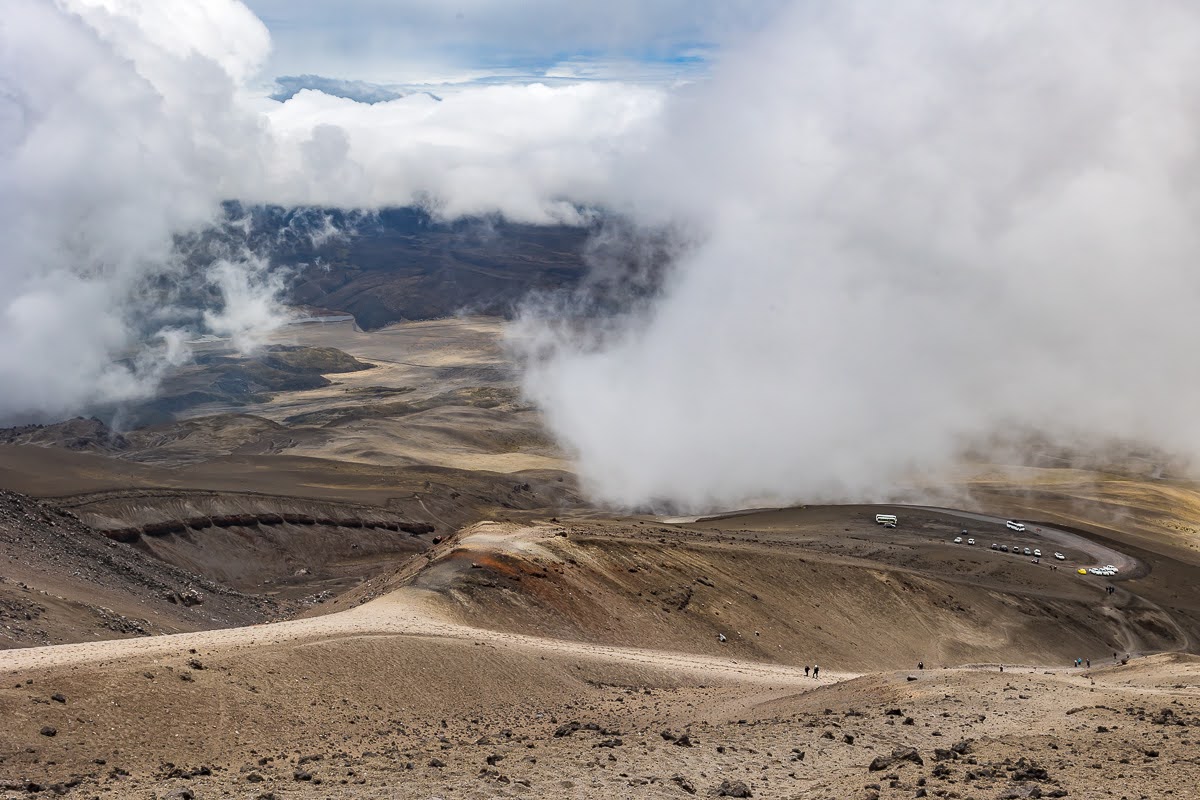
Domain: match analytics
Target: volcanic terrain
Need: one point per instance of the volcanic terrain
(384, 582)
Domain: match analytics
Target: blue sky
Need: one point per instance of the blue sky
(435, 41)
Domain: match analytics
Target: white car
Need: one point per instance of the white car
(958, 540)
(1037, 553)
(1028, 552)
(970, 541)
(1060, 556)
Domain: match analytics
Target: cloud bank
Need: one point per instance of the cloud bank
(906, 226)
(112, 132)
(124, 126)
(920, 224)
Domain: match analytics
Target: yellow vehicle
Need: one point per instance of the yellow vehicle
(1082, 571)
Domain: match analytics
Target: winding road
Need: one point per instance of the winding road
(1127, 565)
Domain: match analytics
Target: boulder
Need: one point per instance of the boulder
(731, 788)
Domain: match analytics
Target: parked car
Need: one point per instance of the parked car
(970, 541)
(1037, 553)
(1060, 556)
(1028, 552)
(958, 540)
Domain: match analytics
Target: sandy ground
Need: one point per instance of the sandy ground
(425, 360)
(404, 696)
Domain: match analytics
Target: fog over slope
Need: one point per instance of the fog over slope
(922, 222)
(913, 223)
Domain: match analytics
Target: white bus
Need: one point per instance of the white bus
(1013, 525)
(886, 520)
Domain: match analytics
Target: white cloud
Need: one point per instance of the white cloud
(914, 223)
(251, 305)
(922, 224)
(125, 123)
(116, 138)
(531, 152)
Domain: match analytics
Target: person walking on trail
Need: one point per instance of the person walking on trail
(806, 670)
(920, 665)
(816, 670)
(1089, 663)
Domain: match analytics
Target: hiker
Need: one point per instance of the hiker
(720, 637)
(806, 669)
(816, 669)
(1002, 668)
(920, 665)
(1089, 663)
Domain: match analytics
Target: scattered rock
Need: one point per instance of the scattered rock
(731, 788)
(1030, 773)
(567, 729)
(684, 783)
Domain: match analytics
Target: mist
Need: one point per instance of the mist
(918, 226)
(111, 146)
(125, 126)
(896, 230)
